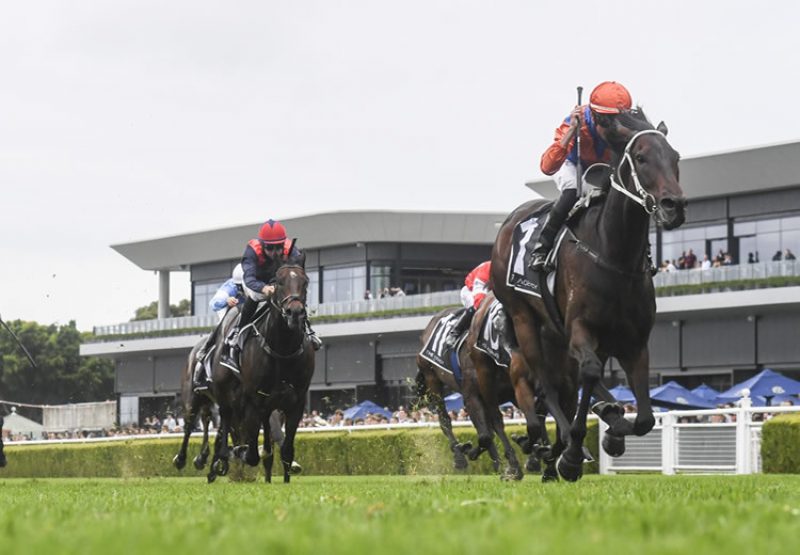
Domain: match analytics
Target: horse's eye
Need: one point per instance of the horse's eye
(640, 159)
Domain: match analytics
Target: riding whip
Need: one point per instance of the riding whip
(27, 354)
(578, 149)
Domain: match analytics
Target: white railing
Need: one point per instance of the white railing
(425, 300)
(697, 276)
(672, 447)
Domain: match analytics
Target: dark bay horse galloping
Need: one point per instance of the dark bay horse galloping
(3, 460)
(277, 363)
(603, 291)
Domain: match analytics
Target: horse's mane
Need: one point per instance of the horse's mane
(630, 120)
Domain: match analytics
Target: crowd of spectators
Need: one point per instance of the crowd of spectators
(688, 260)
(402, 415)
(384, 293)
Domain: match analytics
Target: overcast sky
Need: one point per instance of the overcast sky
(129, 120)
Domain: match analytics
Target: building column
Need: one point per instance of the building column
(163, 294)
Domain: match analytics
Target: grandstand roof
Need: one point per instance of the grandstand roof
(317, 231)
(727, 173)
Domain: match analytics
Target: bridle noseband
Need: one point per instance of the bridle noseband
(284, 303)
(643, 198)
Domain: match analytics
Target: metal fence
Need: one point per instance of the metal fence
(675, 446)
(739, 272)
(83, 416)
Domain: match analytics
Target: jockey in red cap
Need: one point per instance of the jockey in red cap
(476, 286)
(261, 259)
(560, 159)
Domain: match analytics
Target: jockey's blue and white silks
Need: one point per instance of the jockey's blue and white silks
(220, 299)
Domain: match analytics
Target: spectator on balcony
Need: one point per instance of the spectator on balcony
(367, 295)
(691, 260)
(788, 255)
(777, 256)
(397, 292)
(727, 260)
(681, 265)
(706, 264)
(751, 259)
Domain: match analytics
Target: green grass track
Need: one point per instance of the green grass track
(380, 515)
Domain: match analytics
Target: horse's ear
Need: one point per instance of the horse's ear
(297, 258)
(662, 127)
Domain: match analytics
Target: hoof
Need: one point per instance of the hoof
(199, 462)
(568, 470)
(551, 476)
(240, 452)
(533, 464)
(460, 461)
(465, 447)
(179, 461)
(211, 477)
(3, 461)
(512, 474)
(587, 455)
(524, 443)
(295, 468)
(605, 410)
(474, 453)
(496, 465)
(614, 446)
(220, 467)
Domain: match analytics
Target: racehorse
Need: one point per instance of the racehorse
(481, 396)
(3, 460)
(604, 294)
(277, 363)
(195, 406)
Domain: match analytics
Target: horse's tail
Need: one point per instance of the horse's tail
(421, 387)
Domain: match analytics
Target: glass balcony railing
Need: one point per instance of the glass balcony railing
(737, 273)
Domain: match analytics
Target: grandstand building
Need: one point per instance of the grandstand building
(717, 326)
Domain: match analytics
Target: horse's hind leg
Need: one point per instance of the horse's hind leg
(201, 459)
(486, 375)
(435, 400)
(180, 459)
(480, 421)
(219, 462)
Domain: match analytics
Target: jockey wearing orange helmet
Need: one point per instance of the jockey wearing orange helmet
(261, 259)
(560, 159)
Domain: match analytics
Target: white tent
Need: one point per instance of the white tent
(17, 424)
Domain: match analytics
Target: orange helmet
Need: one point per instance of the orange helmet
(609, 97)
(272, 232)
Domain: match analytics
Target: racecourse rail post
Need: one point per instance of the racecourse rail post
(578, 148)
(744, 455)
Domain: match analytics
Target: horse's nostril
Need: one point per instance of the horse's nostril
(667, 204)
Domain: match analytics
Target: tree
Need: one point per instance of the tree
(61, 375)
(150, 312)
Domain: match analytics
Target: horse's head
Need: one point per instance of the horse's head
(646, 168)
(291, 287)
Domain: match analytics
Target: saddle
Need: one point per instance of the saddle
(436, 351)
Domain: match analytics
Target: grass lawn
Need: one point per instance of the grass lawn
(401, 514)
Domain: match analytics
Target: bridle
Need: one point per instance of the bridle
(642, 197)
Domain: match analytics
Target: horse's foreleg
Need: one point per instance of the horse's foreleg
(268, 456)
(293, 417)
(637, 368)
(582, 348)
(251, 426)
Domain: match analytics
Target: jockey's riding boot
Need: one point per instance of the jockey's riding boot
(231, 358)
(316, 342)
(555, 220)
(458, 328)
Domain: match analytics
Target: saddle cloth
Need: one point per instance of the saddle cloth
(526, 234)
(490, 341)
(436, 352)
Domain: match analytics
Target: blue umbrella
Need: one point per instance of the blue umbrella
(622, 394)
(454, 401)
(764, 384)
(706, 392)
(365, 408)
(675, 396)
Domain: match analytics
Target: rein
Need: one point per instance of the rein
(644, 199)
(262, 341)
